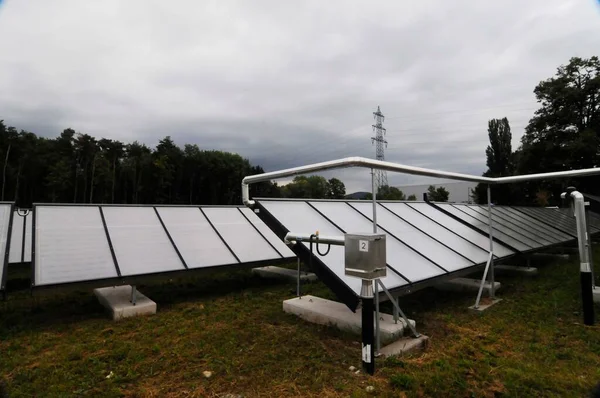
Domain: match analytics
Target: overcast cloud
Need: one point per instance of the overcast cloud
(289, 83)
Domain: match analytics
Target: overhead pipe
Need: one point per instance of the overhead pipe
(400, 168)
(352, 162)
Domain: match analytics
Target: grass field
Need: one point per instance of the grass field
(533, 343)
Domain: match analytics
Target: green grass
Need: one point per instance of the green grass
(533, 343)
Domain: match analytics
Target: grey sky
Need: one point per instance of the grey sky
(288, 83)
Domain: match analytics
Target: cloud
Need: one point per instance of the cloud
(287, 84)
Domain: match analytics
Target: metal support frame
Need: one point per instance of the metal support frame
(133, 294)
(489, 265)
(374, 194)
(397, 307)
(377, 328)
(491, 232)
(298, 280)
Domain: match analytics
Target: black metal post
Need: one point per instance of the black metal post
(587, 297)
(368, 327)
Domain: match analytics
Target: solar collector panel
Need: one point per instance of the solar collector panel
(242, 238)
(534, 222)
(5, 218)
(71, 246)
(461, 245)
(515, 225)
(478, 238)
(140, 242)
(277, 243)
(483, 226)
(298, 216)
(401, 257)
(502, 226)
(195, 238)
(415, 238)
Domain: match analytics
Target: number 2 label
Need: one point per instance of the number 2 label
(363, 245)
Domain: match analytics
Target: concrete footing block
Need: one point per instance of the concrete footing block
(331, 313)
(404, 346)
(514, 270)
(283, 273)
(466, 285)
(484, 305)
(117, 301)
(596, 294)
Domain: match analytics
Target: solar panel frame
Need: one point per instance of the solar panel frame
(5, 247)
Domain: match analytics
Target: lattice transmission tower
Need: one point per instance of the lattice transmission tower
(379, 141)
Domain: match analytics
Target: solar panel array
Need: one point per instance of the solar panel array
(82, 243)
(20, 237)
(5, 224)
(424, 241)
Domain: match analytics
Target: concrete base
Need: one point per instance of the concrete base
(514, 270)
(116, 301)
(283, 273)
(466, 285)
(331, 313)
(596, 294)
(484, 305)
(404, 346)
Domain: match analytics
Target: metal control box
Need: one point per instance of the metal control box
(365, 255)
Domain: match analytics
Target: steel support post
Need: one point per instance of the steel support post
(298, 280)
(491, 232)
(374, 194)
(368, 348)
(377, 329)
(133, 294)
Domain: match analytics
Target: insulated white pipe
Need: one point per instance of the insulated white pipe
(294, 237)
(400, 168)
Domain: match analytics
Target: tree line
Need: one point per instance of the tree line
(78, 168)
(563, 134)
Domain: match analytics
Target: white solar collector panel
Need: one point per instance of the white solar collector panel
(17, 254)
(463, 246)
(482, 226)
(71, 246)
(300, 217)
(267, 233)
(400, 257)
(501, 227)
(242, 238)
(5, 215)
(195, 238)
(518, 228)
(140, 242)
(477, 238)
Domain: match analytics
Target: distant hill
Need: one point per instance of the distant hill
(357, 195)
